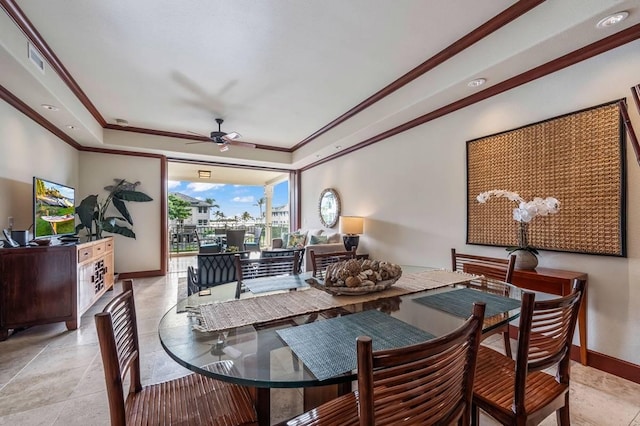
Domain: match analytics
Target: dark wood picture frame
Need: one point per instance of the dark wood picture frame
(578, 158)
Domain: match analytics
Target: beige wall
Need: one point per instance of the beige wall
(412, 190)
(28, 150)
(98, 170)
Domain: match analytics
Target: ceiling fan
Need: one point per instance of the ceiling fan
(223, 139)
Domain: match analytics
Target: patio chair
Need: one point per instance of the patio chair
(519, 392)
(264, 267)
(490, 267)
(429, 383)
(213, 269)
(235, 238)
(320, 261)
(192, 399)
(254, 245)
(208, 244)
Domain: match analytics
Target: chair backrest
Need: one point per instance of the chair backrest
(320, 261)
(545, 336)
(257, 234)
(119, 355)
(214, 269)
(264, 267)
(285, 253)
(430, 382)
(490, 267)
(235, 238)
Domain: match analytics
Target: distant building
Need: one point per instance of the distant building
(199, 210)
(280, 215)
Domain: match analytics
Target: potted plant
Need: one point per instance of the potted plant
(93, 212)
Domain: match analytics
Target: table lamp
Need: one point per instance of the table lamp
(351, 226)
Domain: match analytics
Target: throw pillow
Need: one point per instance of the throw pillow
(285, 239)
(334, 238)
(296, 240)
(318, 239)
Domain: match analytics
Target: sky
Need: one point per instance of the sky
(233, 200)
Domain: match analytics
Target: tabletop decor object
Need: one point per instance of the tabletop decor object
(351, 227)
(358, 276)
(523, 214)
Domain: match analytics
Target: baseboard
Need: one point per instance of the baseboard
(602, 362)
(140, 274)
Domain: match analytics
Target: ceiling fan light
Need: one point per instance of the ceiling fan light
(232, 135)
(224, 148)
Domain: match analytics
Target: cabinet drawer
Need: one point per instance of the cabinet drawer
(99, 249)
(85, 253)
(108, 245)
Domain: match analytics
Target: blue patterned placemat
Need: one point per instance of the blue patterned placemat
(460, 302)
(328, 347)
(266, 284)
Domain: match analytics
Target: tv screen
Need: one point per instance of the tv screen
(54, 208)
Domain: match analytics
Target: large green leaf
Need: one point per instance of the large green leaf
(110, 226)
(132, 196)
(86, 210)
(122, 208)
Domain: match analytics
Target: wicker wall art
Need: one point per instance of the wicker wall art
(577, 158)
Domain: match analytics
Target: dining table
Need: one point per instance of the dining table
(284, 333)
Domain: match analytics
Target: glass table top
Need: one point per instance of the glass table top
(257, 355)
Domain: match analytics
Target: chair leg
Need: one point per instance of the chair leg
(475, 415)
(507, 344)
(562, 415)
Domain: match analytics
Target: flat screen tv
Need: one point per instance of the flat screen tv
(53, 208)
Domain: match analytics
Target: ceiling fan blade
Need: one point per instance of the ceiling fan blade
(243, 144)
(232, 135)
(197, 134)
(191, 143)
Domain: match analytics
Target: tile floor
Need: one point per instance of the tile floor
(51, 376)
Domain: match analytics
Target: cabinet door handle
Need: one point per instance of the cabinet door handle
(93, 278)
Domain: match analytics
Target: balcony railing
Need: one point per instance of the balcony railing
(182, 237)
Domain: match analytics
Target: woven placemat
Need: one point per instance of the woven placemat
(460, 302)
(257, 310)
(328, 348)
(267, 284)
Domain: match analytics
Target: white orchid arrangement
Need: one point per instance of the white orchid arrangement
(524, 213)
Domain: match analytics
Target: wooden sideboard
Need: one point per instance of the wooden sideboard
(42, 285)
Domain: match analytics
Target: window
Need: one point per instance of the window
(203, 209)
(203, 222)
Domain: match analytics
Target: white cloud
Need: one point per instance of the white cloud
(248, 199)
(173, 184)
(202, 186)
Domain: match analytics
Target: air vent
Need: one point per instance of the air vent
(36, 58)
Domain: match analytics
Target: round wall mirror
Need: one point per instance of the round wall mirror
(329, 207)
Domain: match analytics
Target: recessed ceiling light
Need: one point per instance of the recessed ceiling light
(72, 127)
(338, 146)
(50, 107)
(612, 20)
(122, 122)
(204, 174)
(477, 82)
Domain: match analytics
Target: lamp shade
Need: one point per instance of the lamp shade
(351, 225)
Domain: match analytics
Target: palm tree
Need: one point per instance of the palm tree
(246, 216)
(219, 215)
(259, 203)
(212, 201)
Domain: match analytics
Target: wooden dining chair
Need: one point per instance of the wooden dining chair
(490, 267)
(193, 399)
(320, 261)
(518, 392)
(285, 252)
(264, 267)
(425, 384)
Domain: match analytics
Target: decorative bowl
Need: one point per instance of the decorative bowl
(352, 291)
(43, 242)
